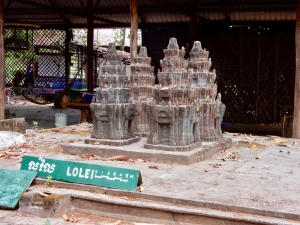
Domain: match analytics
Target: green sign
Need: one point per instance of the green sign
(107, 176)
(12, 184)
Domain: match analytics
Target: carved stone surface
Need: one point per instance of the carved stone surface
(113, 113)
(142, 88)
(175, 114)
(18, 125)
(206, 91)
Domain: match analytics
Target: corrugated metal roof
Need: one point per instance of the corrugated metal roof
(154, 11)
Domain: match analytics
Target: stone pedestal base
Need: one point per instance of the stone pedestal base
(174, 148)
(212, 138)
(137, 151)
(112, 142)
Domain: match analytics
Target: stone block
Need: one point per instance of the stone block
(52, 205)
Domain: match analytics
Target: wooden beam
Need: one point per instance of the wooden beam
(90, 48)
(2, 61)
(296, 122)
(134, 20)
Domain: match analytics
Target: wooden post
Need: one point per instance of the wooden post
(67, 55)
(90, 47)
(296, 121)
(2, 61)
(134, 20)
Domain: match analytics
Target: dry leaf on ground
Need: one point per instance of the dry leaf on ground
(140, 160)
(66, 218)
(279, 141)
(218, 165)
(253, 147)
(119, 158)
(230, 156)
(140, 188)
(88, 156)
(153, 167)
(42, 194)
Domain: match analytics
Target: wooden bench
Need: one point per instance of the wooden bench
(84, 108)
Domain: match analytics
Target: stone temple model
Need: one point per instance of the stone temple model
(177, 117)
(206, 92)
(142, 82)
(175, 112)
(112, 113)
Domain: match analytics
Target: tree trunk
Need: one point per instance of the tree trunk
(2, 61)
(134, 20)
(296, 122)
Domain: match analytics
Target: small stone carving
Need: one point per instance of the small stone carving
(174, 119)
(142, 89)
(113, 113)
(206, 92)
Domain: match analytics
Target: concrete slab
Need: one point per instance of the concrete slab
(261, 181)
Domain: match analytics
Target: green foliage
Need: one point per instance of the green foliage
(80, 35)
(35, 125)
(49, 180)
(119, 38)
(139, 37)
(47, 222)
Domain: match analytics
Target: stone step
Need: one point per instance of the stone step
(145, 208)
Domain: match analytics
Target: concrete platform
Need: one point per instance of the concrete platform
(137, 151)
(259, 186)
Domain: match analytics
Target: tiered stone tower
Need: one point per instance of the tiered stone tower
(112, 113)
(175, 114)
(142, 82)
(206, 90)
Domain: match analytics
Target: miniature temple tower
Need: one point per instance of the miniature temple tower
(174, 114)
(142, 88)
(112, 113)
(206, 92)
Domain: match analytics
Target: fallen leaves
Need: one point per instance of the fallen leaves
(153, 167)
(71, 218)
(80, 130)
(253, 147)
(218, 165)
(140, 188)
(17, 151)
(89, 156)
(119, 158)
(259, 157)
(233, 156)
(43, 194)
